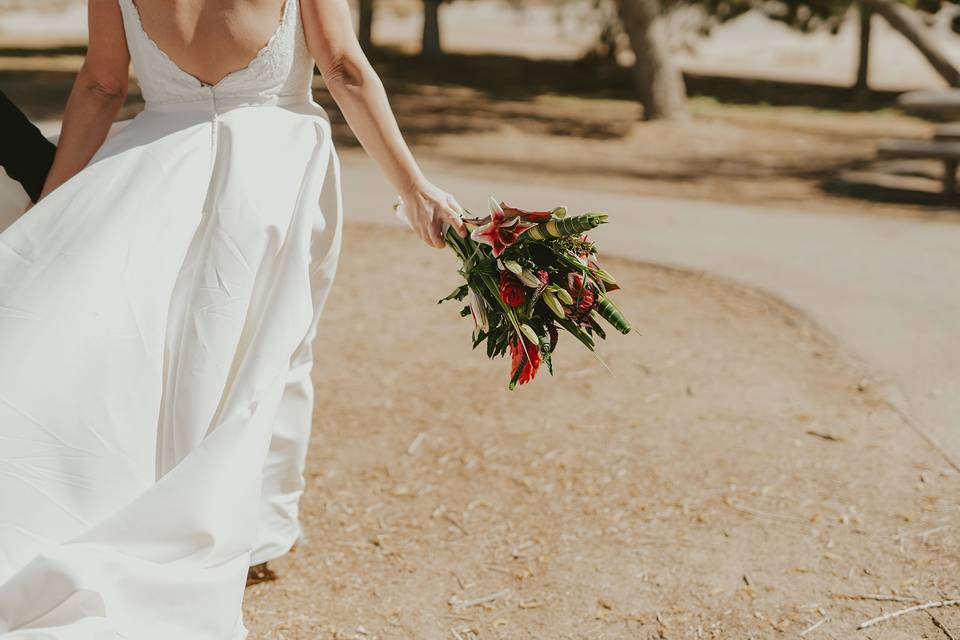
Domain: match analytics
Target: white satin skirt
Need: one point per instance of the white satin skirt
(157, 313)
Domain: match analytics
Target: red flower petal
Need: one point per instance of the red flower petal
(500, 232)
(511, 289)
(530, 216)
(526, 355)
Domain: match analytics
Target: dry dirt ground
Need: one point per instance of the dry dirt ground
(738, 477)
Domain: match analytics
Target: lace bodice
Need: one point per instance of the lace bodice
(283, 68)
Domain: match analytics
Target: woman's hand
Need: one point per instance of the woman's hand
(426, 208)
(358, 91)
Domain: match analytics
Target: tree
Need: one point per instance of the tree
(903, 15)
(911, 27)
(658, 81)
(365, 30)
(430, 38)
(863, 57)
(430, 44)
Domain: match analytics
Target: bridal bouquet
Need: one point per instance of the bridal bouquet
(529, 274)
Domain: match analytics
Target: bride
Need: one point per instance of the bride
(157, 310)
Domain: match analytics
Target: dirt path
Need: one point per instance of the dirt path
(732, 480)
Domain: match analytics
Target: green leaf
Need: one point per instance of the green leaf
(596, 326)
(516, 376)
(480, 337)
(578, 333)
(457, 294)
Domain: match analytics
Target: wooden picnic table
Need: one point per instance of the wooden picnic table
(937, 106)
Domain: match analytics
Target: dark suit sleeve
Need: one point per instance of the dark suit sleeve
(24, 152)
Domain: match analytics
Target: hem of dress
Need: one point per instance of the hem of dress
(272, 552)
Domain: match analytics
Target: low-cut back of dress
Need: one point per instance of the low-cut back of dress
(156, 319)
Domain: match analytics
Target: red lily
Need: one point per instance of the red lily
(501, 231)
(529, 216)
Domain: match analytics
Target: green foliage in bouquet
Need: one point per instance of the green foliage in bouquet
(528, 274)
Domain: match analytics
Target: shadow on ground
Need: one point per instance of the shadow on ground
(588, 102)
(518, 78)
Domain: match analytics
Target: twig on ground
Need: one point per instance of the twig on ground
(824, 436)
(463, 585)
(412, 449)
(896, 614)
(493, 567)
(454, 616)
(814, 626)
(454, 522)
(764, 514)
(939, 625)
(920, 534)
(463, 604)
(874, 596)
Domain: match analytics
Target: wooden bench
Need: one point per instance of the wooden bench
(945, 149)
(947, 132)
(937, 106)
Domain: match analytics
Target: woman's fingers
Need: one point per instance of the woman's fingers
(442, 214)
(436, 233)
(453, 214)
(429, 211)
(421, 224)
(431, 235)
(429, 229)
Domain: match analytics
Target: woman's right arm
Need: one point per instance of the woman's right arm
(97, 94)
(359, 93)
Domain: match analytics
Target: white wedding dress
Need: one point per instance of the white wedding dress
(156, 319)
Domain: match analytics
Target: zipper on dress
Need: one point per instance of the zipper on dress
(215, 122)
(214, 142)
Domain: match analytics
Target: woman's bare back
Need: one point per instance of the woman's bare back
(210, 38)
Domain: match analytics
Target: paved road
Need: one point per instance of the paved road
(889, 289)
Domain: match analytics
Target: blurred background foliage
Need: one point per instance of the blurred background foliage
(645, 34)
(637, 25)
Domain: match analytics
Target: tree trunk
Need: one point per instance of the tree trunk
(863, 62)
(365, 32)
(658, 81)
(431, 28)
(910, 26)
